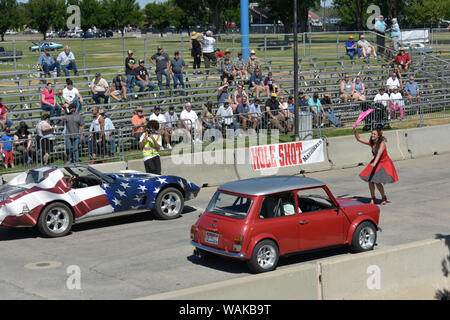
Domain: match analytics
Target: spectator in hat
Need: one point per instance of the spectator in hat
(162, 62)
(4, 121)
(48, 102)
(72, 95)
(67, 61)
(223, 94)
(6, 148)
(196, 51)
(365, 47)
(138, 122)
(177, 66)
(158, 116)
(143, 78)
(109, 133)
(74, 124)
(253, 63)
(209, 54)
(130, 72)
(239, 65)
(47, 64)
(402, 60)
(119, 87)
(351, 47)
(395, 33)
(23, 144)
(99, 88)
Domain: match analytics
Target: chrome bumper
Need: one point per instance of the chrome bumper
(219, 252)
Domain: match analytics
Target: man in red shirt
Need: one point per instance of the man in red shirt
(4, 121)
(402, 59)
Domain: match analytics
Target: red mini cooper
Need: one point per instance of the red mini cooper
(258, 220)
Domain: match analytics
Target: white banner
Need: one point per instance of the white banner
(286, 154)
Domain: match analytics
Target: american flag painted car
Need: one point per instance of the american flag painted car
(54, 198)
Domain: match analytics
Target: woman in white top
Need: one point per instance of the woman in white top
(396, 102)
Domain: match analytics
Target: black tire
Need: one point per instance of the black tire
(364, 238)
(55, 220)
(264, 257)
(169, 204)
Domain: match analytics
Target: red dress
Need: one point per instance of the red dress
(383, 172)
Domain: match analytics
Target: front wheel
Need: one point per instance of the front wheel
(169, 204)
(264, 257)
(364, 238)
(55, 220)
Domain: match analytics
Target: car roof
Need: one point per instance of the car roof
(268, 185)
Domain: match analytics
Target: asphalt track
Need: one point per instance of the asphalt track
(134, 256)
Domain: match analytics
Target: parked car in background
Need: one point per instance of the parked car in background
(258, 220)
(9, 55)
(40, 46)
(51, 34)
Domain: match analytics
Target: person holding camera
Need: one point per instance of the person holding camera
(150, 143)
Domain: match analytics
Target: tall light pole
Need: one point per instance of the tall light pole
(245, 30)
(296, 117)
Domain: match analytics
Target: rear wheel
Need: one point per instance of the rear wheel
(364, 238)
(55, 220)
(264, 257)
(169, 204)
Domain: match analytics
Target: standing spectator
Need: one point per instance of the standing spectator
(412, 90)
(402, 60)
(358, 90)
(228, 71)
(45, 137)
(209, 54)
(351, 47)
(74, 124)
(48, 102)
(130, 72)
(23, 144)
(253, 62)
(109, 133)
(158, 116)
(394, 30)
(47, 64)
(274, 115)
(327, 102)
(119, 87)
(366, 48)
(177, 66)
(239, 65)
(316, 108)
(396, 102)
(150, 144)
(225, 117)
(4, 121)
(96, 134)
(99, 89)
(143, 77)
(162, 62)
(196, 51)
(6, 148)
(380, 29)
(189, 120)
(138, 122)
(72, 95)
(346, 88)
(392, 82)
(256, 81)
(223, 94)
(66, 59)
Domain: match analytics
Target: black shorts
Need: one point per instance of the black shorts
(153, 165)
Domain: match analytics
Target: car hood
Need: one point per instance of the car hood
(6, 191)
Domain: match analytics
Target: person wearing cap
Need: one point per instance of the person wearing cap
(365, 48)
(4, 121)
(138, 122)
(256, 82)
(158, 116)
(162, 62)
(241, 70)
(253, 62)
(23, 144)
(395, 33)
(177, 66)
(401, 60)
(209, 54)
(143, 78)
(109, 132)
(274, 115)
(99, 88)
(67, 61)
(6, 148)
(351, 47)
(380, 29)
(223, 94)
(47, 64)
(196, 51)
(130, 72)
(228, 71)
(72, 95)
(119, 87)
(74, 124)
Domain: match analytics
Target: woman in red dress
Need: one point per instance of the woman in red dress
(381, 169)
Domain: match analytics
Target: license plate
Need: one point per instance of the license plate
(212, 238)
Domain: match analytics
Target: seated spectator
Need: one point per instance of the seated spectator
(228, 71)
(66, 59)
(189, 121)
(396, 102)
(219, 54)
(402, 60)
(358, 90)
(351, 47)
(47, 64)
(207, 117)
(270, 84)
(48, 102)
(225, 117)
(72, 95)
(6, 148)
(4, 121)
(365, 47)
(23, 144)
(392, 82)
(45, 138)
(327, 102)
(284, 106)
(252, 63)
(223, 94)
(221, 59)
(100, 89)
(143, 78)
(274, 115)
(61, 101)
(239, 65)
(177, 66)
(346, 88)
(109, 133)
(138, 122)
(172, 122)
(238, 95)
(119, 87)
(383, 98)
(158, 116)
(256, 81)
(255, 111)
(315, 108)
(302, 102)
(244, 117)
(412, 90)
(399, 76)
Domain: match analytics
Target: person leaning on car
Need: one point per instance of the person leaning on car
(150, 143)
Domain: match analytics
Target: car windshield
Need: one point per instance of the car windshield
(35, 176)
(231, 205)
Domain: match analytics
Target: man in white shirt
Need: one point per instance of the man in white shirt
(392, 82)
(158, 116)
(383, 98)
(99, 88)
(224, 116)
(189, 120)
(67, 61)
(366, 47)
(209, 53)
(72, 95)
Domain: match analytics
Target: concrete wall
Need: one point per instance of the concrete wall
(409, 271)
